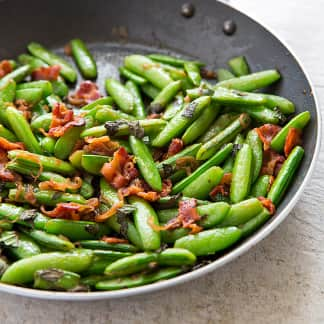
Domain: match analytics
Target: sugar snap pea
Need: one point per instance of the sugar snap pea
(102, 245)
(261, 186)
(174, 107)
(132, 76)
(17, 75)
(193, 72)
(32, 96)
(139, 109)
(223, 74)
(255, 144)
(106, 113)
(8, 91)
(176, 257)
(84, 59)
(34, 62)
(172, 60)
(150, 90)
(239, 66)
(60, 88)
(7, 134)
(48, 144)
(44, 85)
(100, 101)
(254, 223)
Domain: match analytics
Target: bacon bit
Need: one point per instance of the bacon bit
(187, 163)
(293, 138)
(113, 240)
(8, 146)
(166, 187)
(139, 188)
(121, 170)
(49, 73)
(62, 120)
(60, 186)
(186, 99)
(272, 162)
(175, 147)
(157, 154)
(109, 213)
(71, 210)
(30, 196)
(154, 116)
(223, 188)
(100, 145)
(5, 68)
(24, 107)
(68, 49)
(86, 93)
(266, 133)
(267, 203)
(207, 74)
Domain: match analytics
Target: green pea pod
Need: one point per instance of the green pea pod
(242, 212)
(255, 143)
(261, 114)
(65, 144)
(37, 160)
(76, 230)
(22, 130)
(57, 279)
(181, 121)
(254, 223)
(7, 134)
(165, 96)
(24, 246)
(17, 75)
(99, 102)
(170, 236)
(138, 280)
(87, 190)
(8, 91)
(285, 175)
(132, 76)
(241, 175)
(188, 151)
(209, 148)
(50, 58)
(217, 126)
(202, 185)
(41, 122)
(121, 95)
(144, 218)
(48, 144)
(223, 74)
(261, 186)
(146, 68)
(174, 107)
(102, 245)
(193, 72)
(167, 59)
(33, 61)
(145, 163)
(139, 108)
(32, 96)
(299, 122)
(22, 271)
(83, 59)
(176, 257)
(44, 85)
(239, 66)
(252, 81)
(60, 88)
(201, 124)
(131, 264)
(285, 105)
(210, 241)
(93, 163)
(229, 163)
(110, 195)
(218, 158)
(165, 215)
(150, 90)
(106, 113)
(76, 159)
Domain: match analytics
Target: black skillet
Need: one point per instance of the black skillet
(116, 28)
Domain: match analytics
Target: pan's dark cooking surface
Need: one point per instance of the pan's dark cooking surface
(114, 29)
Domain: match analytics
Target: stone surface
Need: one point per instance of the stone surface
(278, 281)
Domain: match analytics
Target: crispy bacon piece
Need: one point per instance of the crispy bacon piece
(139, 188)
(208, 74)
(272, 162)
(86, 93)
(72, 210)
(154, 116)
(267, 203)
(187, 163)
(293, 138)
(266, 133)
(223, 188)
(7, 145)
(5, 68)
(113, 240)
(49, 73)
(24, 107)
(121, 170)
(62, 120)
(166, 187)
(187, 217)
(175, 147)
(111, 212)
(76, 183)
(100, 145)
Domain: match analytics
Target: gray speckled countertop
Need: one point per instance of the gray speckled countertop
(278, 281)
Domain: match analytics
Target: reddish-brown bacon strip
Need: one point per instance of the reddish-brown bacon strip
(266, 133)
(175, 147)
(267, 203)
(100, 145)
(223, 188)
(86, 93)
(75, 184)
(272, 162)
(293, 138)
(113, 240)
(49, 73)
(5, 68)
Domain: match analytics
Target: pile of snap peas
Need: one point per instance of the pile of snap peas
(160, 98)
